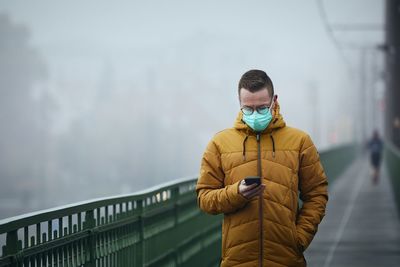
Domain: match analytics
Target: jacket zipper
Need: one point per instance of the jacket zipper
(260, 205)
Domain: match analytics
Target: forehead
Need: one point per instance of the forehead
(261, 97)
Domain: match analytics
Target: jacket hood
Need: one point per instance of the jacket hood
(276, 122)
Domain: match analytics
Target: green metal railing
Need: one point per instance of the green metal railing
(392, 160)
(161, 226)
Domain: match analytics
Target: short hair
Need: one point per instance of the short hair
(255, 80)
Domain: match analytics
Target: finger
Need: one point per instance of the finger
(248, 187)
(255, 191)
(256, 194)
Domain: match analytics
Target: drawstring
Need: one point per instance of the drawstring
(273, 146)
(244, 147)
(259, 155)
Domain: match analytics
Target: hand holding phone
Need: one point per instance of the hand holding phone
(251, 187)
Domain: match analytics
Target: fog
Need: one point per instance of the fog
(106, 97)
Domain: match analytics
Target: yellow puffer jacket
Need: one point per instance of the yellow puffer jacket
(275, 231)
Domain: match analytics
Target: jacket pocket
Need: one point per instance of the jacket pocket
(296, 244)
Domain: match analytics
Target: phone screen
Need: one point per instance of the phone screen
(252, 180)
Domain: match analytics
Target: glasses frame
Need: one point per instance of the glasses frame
(259, 108)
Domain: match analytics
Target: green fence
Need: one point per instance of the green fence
(392, 160)
(161, 226)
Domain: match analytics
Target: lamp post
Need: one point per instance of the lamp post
(392, 51)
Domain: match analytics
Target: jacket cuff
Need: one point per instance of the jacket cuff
(304, 238)
(237, 199)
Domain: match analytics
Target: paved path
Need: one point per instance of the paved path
(361, 226)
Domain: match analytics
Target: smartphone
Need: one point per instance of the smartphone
(252, 180)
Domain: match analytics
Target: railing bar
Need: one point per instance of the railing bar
(44, 258)
(79, 221)
(60, 256)
(70, 224)
(26, 237)
(60, 227)
(114, 212)
(79, 252)
(55, 257)
(98, 246)
(26, 262)
(44, 254)
(101, 256)
(71, 255)
(38, 233)
(32, 261)
(83, 251)
(38, 260)
(104, 246)
(98, 221)
(88, 252)
(112, 247)
(76, 254)
(65, 256)
(50, 229)
(106, 214)
(49, 258)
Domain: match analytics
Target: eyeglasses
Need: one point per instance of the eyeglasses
(261, 110)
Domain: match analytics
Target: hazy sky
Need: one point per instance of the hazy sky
(202, 44)
(215, 41)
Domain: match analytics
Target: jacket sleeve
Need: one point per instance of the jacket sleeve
(313, 186)
(212, 195)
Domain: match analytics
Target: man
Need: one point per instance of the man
(263, 225)
(375, 145)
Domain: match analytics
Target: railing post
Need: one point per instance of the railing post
(89, 225)
(12, 246)
(175, 198)
(140, 255)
